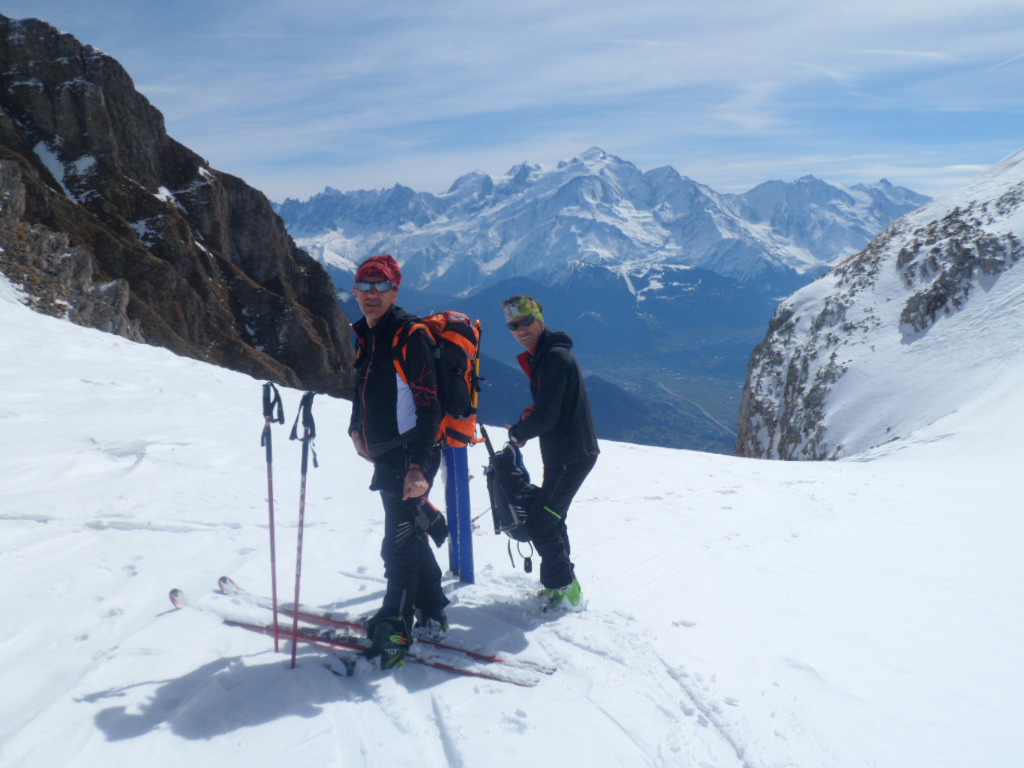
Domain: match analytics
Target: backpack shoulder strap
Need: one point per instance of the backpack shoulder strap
(400, 344)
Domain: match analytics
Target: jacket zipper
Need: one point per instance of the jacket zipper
(366, 380)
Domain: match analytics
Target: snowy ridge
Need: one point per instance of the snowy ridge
(598, 210)
(926, 316)
(741, 613)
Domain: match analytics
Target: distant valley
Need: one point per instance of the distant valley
(665, 285)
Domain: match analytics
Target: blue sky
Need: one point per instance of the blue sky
(296, 95)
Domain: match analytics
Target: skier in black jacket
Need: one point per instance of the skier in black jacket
(394, 424)
(560, 416)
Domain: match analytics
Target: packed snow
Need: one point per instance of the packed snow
(740, 612)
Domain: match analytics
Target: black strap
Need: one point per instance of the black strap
(271, 398)
(305, 412)
(527, 559)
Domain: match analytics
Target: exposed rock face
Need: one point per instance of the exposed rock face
(107, 221)
(887, 341)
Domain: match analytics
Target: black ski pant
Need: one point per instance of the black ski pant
(546, 520)
(413, 575)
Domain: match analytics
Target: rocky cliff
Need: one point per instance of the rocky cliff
(107, 221)
(898, 335)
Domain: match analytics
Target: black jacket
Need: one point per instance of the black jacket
(561, 415)
(386, 411)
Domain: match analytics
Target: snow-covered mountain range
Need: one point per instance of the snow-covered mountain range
(898, 335)
(596, 210)
(666, 285)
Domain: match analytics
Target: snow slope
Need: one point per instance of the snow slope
(909, 330)
(741, 612)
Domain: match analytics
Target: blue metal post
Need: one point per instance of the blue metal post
(460, 523)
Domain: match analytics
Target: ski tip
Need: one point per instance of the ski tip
(228, 585)
(177, 597)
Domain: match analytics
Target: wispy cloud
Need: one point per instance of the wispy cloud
(1006, 63)
(933, 55)
(299, 94)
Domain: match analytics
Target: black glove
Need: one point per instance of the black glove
(430, 520)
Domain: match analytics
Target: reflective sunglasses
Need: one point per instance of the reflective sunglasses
(526, 322)
(380, 286)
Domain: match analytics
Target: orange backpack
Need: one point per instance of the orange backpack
(456, 342)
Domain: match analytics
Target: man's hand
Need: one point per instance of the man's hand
(416, 484)
(511, 439)
(357, 441)
(527, 412)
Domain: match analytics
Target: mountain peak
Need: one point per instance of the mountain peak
(472, 184)
(522, 173)
(598, 154)
(813, 182)
(595, 156)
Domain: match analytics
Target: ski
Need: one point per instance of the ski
(230, 587)
(330, 639)
(346, 644)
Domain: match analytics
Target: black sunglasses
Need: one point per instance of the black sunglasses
(380, 286)
(526, 322)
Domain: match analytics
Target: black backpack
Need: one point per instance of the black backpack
(511, 494)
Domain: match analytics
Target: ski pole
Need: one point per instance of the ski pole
(487, 440)
(308, 435)
(272, 405)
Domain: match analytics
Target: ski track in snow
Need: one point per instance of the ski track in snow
(633, 658)
(597, 652)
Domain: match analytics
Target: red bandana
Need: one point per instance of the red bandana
(382, 267)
